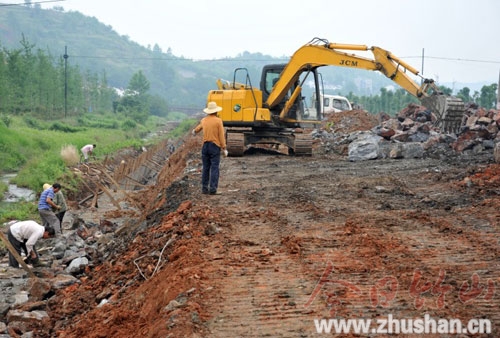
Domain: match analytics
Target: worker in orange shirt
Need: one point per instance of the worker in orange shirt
(213, 142)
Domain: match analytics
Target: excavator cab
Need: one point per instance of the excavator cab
(291, 110)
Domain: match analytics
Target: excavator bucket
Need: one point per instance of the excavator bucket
(449, 111)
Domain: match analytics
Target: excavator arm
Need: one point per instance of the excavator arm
(319, 53)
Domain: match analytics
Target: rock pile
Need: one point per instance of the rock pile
(65, 259)
(411, 134)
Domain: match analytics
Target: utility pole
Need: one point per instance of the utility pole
(498, 92)
(65, 81)
(422, 72)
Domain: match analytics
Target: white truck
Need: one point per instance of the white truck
(330, 104)
(335, 104)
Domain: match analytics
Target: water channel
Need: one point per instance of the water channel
(15, 193)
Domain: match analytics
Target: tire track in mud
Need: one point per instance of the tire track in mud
(263, 288)
(315, 238)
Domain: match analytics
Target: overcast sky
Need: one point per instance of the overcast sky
(459, 38)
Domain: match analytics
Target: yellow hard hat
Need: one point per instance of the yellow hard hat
(46, 186)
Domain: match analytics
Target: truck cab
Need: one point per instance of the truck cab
(335, 104)
(329, 104)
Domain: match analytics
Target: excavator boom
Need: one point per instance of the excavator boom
(319, 53)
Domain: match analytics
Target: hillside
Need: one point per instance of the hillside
(96, 47)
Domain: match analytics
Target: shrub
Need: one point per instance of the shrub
(6, 119)
(128, 124)
(33, 123)
(94, 121)
(58, 126)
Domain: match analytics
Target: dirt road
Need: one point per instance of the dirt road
(321, 238)
(292, 240)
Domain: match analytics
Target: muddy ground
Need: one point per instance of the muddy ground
(291, 240)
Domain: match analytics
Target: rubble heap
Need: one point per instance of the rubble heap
(411, 134)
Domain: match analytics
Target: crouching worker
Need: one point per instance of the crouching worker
(24, 235)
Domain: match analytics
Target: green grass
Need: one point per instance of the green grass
(31, 148)
(184, 127)
(19, 211)
(3, 188)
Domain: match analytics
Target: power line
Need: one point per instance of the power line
(261, 60)
(30, 3)
(174, 59)
(451, 59)
(458, 59)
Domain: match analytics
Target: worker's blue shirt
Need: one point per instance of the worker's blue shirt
(42, 203)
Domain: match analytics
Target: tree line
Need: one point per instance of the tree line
(36, 83)
(392, 101)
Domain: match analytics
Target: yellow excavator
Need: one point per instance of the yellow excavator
(275, 113)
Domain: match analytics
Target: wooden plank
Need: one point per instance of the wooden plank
(119, 190)
(111, 179)
(96, 193)
(94, 201)
(103, 188)
(88, 197)
(137, 182)
(18, 258)
(152, 166)
(154, 162)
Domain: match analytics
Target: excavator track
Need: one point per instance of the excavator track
(302, 145)
(235, 144)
